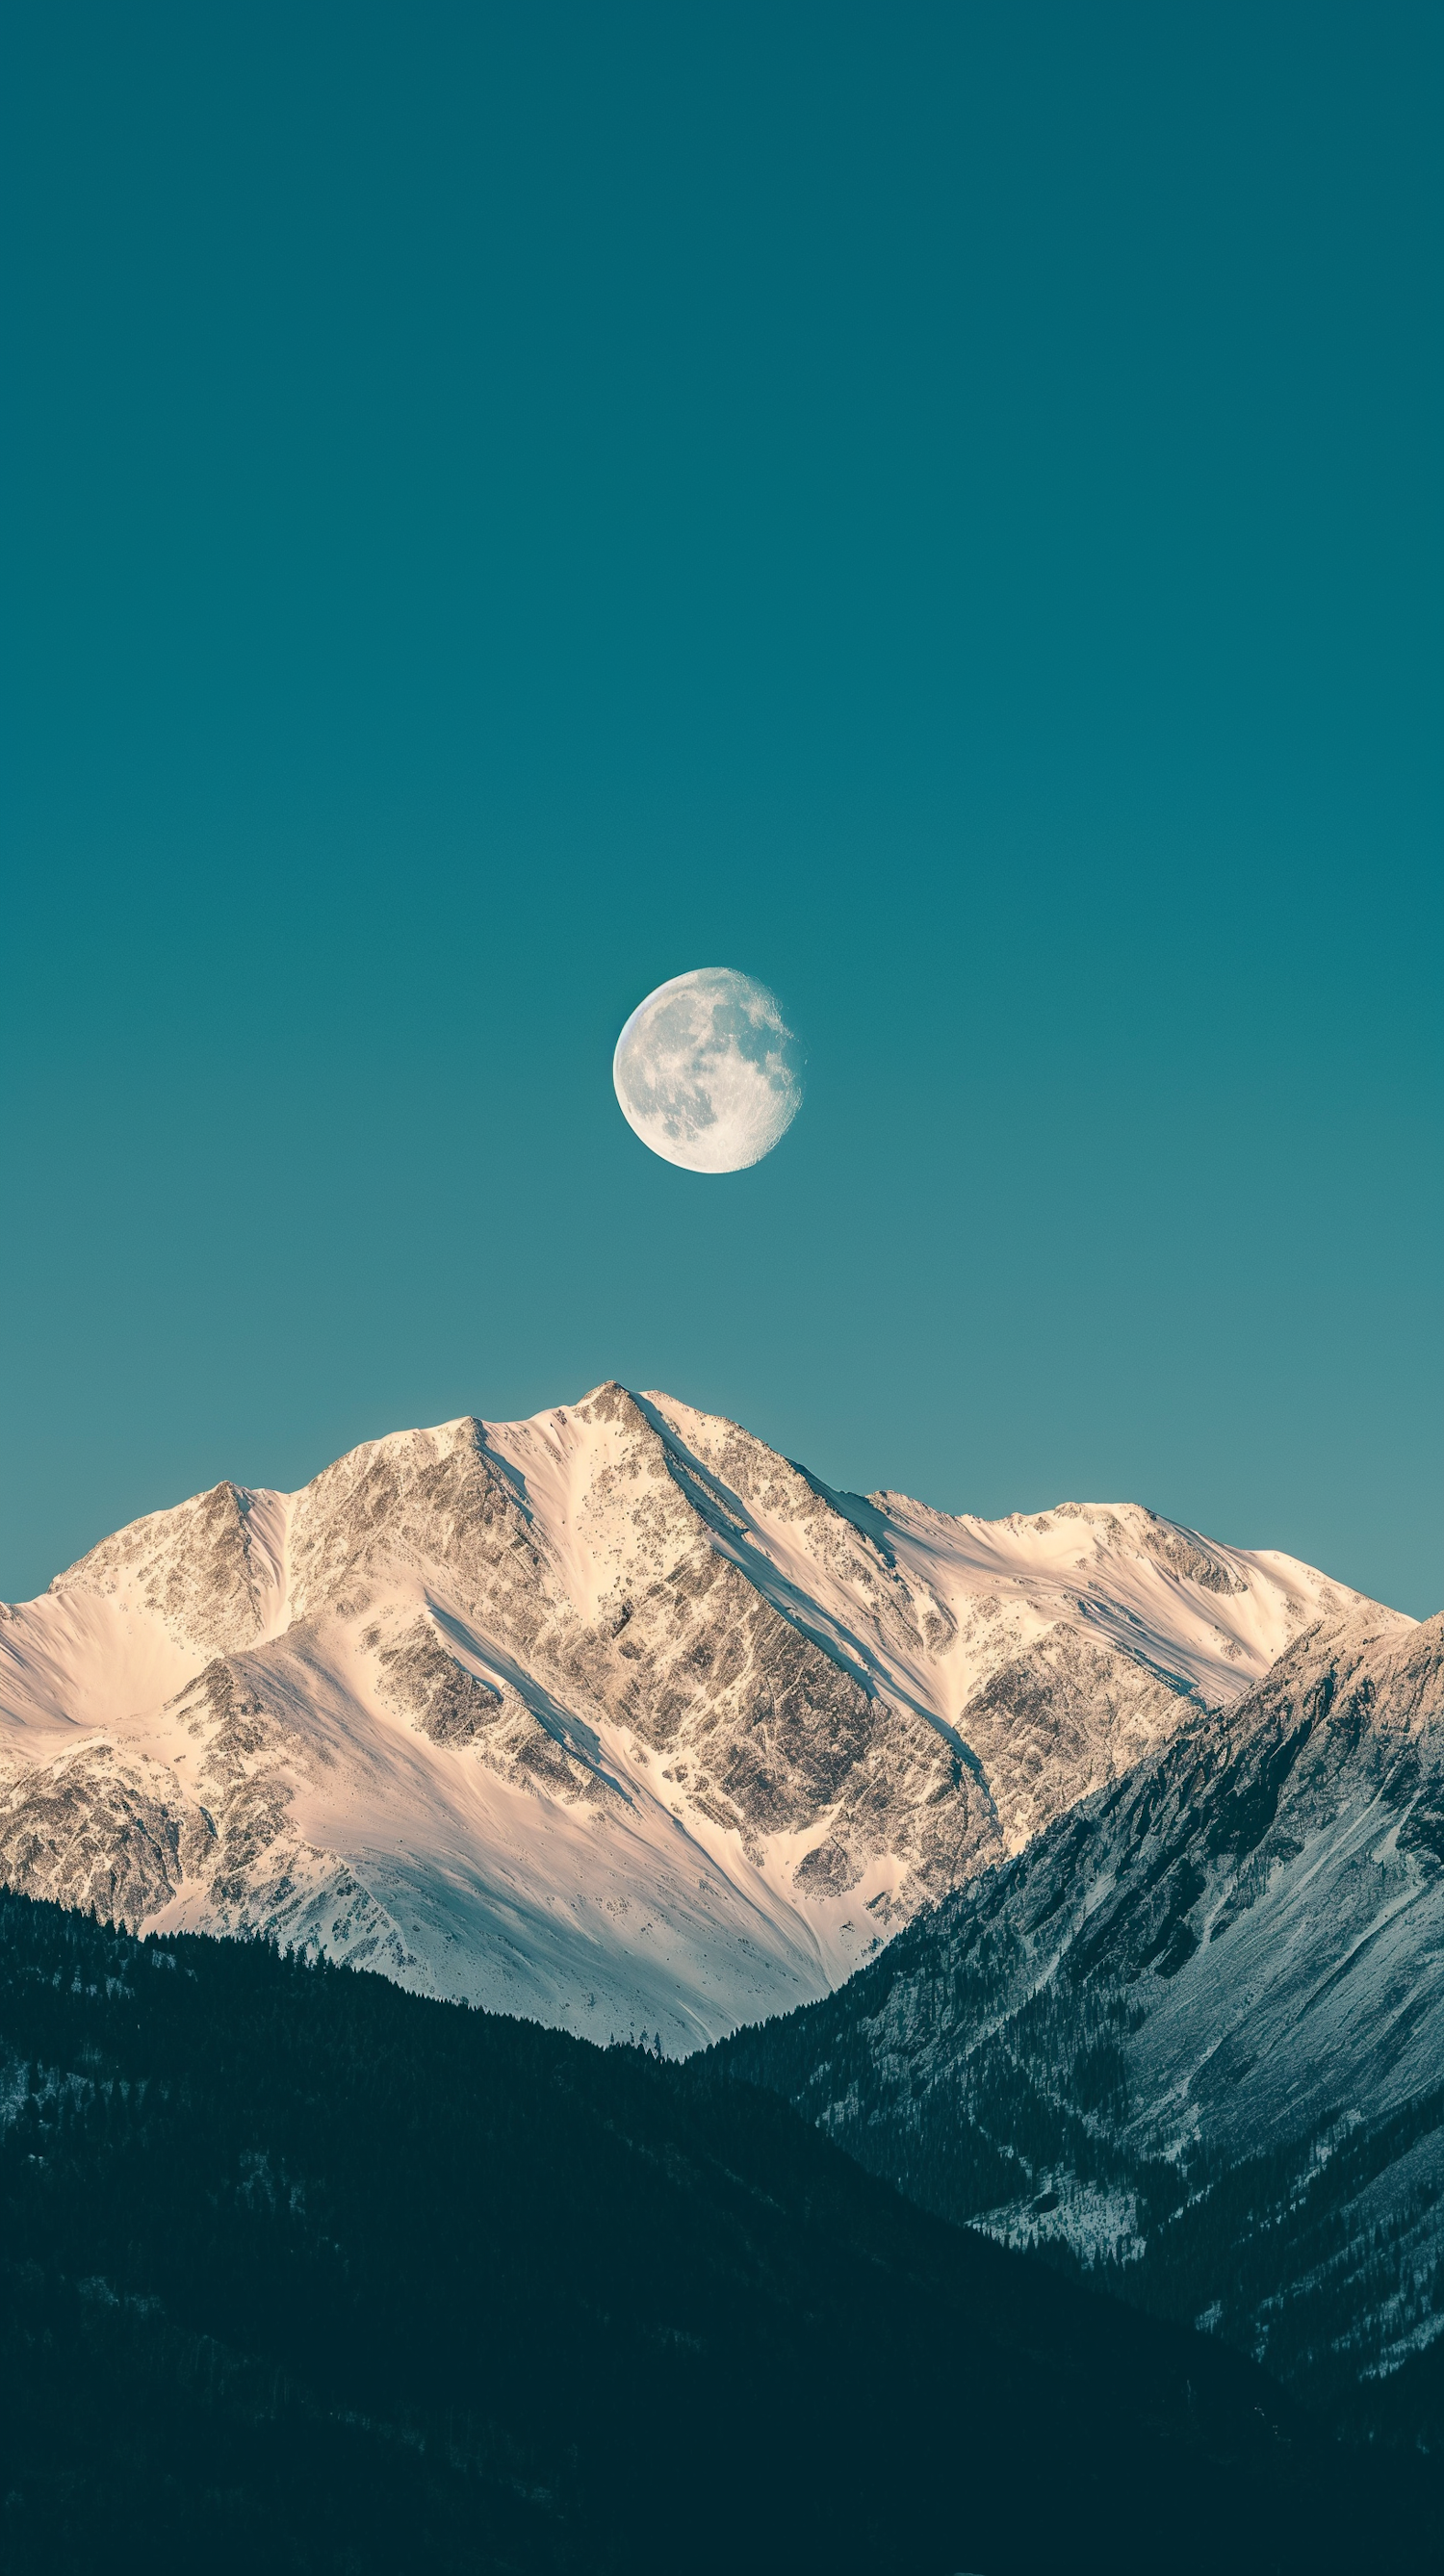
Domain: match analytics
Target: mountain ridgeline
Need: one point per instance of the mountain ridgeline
(1035, 1929)
(613, 1718)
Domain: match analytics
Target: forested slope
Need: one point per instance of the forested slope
(304, 2271)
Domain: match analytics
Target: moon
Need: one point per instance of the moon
(708, 1072)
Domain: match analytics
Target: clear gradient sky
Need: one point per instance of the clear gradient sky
(935, 506)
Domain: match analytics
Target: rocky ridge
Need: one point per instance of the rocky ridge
(613, 1717)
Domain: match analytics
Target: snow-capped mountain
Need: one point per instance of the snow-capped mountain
(1198, 2024)
(613, 1717)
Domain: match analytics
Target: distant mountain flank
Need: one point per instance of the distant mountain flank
(1194, 2033)
(612, 1718)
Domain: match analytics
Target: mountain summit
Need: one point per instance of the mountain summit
(613, 1718)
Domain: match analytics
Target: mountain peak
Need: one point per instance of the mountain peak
(613, 1716)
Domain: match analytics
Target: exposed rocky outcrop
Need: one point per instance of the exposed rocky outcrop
(104, 1829)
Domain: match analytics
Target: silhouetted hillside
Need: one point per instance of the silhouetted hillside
(302, 2271)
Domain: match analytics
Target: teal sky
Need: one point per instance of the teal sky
(937, 507)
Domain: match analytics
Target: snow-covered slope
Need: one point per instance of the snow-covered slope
(612, 1717)
(1198, 2023)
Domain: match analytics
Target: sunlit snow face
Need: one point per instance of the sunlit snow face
(708, 1072)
